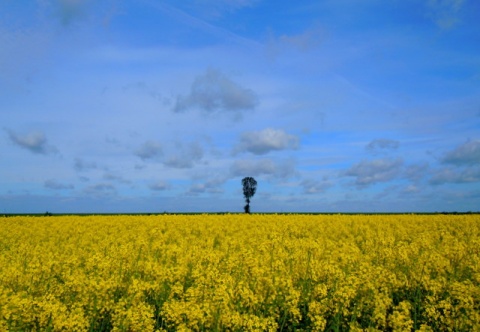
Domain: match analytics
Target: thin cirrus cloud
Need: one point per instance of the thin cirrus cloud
(382, 145)
(214, 91)
(266, 140)
(217, 9)
(34, 141)
(303, 42)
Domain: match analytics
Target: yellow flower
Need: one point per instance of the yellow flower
(240, 273)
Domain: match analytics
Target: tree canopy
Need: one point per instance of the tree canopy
(249, 189)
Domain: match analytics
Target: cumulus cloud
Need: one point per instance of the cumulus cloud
(410, 189)
(179, 156)
(100, 190)
(35, 142)
(370, 172)
(214, 91)
(81, 165)
(462, 165)
(313, 186)
(116, 178)
(159, 186)
(149, 150)
(465, 154)
(416, 172)
(266, 167)
(382, 144)
(55, 185)
(449, 175)
(264, 141)
(185, 156)
(212, 186)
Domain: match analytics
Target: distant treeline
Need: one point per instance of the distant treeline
(49, 214)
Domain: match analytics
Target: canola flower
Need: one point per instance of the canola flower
(240, 273)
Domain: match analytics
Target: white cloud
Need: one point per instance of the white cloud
(370, 172)
(382, 144)
(100, 190)
(184, 156)
(449, 175)
(410, 189)
(55, 185)
(264, 141)
(465, 154)
(211, 186)
(117, 178)
(149, 150)
(178, 155)
(304, 41)
(35, 142)
(80, 165)
(416, 172)
(213, 91)
(465, 165)
(159, 186)
(268, 167)
(313, 186)
(315, 106)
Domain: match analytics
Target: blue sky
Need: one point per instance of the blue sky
(152, 106)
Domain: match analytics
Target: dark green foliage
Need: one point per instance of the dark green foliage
(249, 188)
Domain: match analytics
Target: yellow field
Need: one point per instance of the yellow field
(240, 273)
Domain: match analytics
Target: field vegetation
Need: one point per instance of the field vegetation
(232, 272)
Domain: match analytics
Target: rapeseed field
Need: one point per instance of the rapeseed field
(240, 273)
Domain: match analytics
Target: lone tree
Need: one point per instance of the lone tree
(249, 188)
